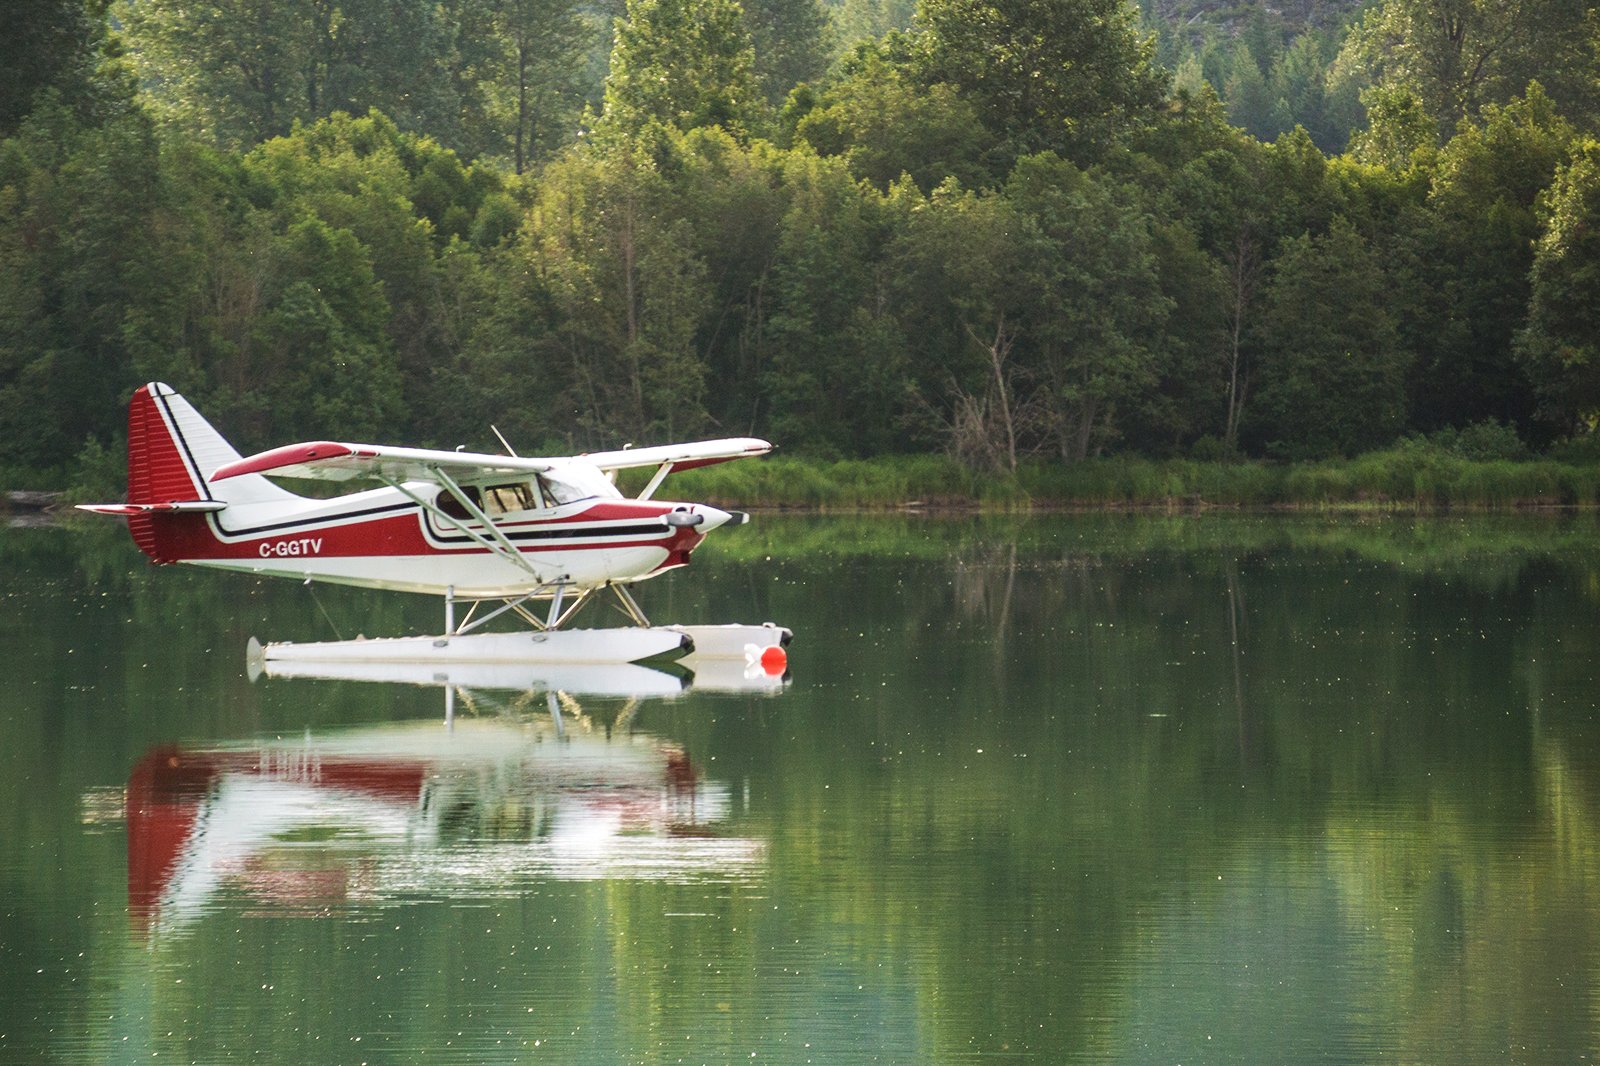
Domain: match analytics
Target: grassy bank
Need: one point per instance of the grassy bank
(1400, 479)
(1411, 477)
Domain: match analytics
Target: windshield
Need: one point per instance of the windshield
(569, 484)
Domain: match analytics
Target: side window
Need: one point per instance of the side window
(517, 496)
(451, 506)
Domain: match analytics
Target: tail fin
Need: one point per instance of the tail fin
(172, 452)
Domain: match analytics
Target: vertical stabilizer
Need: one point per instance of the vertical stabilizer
(172, 452)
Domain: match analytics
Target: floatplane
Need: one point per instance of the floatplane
(498, 536)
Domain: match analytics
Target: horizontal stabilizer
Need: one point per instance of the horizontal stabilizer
(172, 507)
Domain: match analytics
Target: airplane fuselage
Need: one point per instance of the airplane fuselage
(384, 538)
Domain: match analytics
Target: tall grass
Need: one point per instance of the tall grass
(1411, 476)
(1403, 478)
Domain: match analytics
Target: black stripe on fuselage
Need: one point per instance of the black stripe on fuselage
(656, 529)
(298, 523)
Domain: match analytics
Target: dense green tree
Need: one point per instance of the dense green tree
(1062, 75)
(968, 267)
(885, 124)
(1331, 379)
(1270, 87)
(1299, 89)
(1215, 185)
(994, 233)
(1189, 77)
(835, 348)
(733, 199)
(617, 260)
(322, 347)
(868, 20)
(1562, 340)
(1398, 127)
(46, 44)
(405, 198)
(1099, 308)
(529, 80)
(1473, 250)
(793, 40)
(1453, 57)
(1252, 105)
(1261, 39)
(81, 251)
(681, 64)
(241, 71)
(1194, 351)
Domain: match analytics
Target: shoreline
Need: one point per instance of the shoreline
(1405, 480)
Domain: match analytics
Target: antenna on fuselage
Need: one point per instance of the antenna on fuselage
(504, 443)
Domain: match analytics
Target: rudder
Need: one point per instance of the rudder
(172, 452)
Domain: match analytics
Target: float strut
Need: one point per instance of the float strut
(631, 606)
(555, 607)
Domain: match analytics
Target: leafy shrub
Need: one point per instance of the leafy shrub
(1578, 450)
(1488, 441)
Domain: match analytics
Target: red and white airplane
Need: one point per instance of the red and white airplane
(470, 527)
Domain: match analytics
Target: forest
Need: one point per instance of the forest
(1007, 231)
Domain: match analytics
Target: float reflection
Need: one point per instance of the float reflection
(415, 812)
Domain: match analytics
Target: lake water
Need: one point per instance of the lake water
(1219, 789)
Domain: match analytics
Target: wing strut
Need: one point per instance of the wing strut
(656, 479)
(499, 545)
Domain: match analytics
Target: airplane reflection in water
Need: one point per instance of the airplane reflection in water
(406, 812)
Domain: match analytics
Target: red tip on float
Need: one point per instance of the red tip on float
(774, 660)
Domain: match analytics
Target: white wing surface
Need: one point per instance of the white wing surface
(335, 461)
(338, 461)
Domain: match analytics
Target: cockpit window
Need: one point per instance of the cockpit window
(570, 485)
(492, 499)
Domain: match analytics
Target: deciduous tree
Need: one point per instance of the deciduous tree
(1332, 372)
(681, 64)
(1562, 340)
(1066, 75)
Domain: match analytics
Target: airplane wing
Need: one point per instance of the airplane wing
(335, 461)
(681, 456)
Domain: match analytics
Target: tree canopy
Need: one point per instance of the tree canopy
(1000, 229)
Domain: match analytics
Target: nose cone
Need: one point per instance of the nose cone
(703, 518)
(715, 517)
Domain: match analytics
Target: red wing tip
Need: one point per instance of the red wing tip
(288, 455)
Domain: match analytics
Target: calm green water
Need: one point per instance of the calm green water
(1216, 789)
